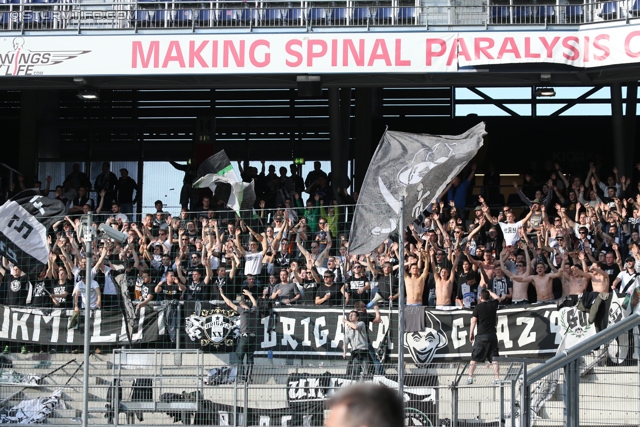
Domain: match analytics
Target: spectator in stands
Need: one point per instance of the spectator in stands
(188, 198)
(78, 202)
(249, 326)
(253, 258)
(314, 175)
(330, 293)
(77, 179)
(125, 188)
(79, 292)
(456, 191)
(286, 291)
(355, 336)
(106, 181)
(365, 404)
(197, 288)
(169, 288)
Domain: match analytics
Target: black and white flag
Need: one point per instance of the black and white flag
(217, 170)
(24, 221)
(417, 166)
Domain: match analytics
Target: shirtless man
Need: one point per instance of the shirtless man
(520, 287)
(577, 282)
(444, 280)
(414, 281)
(599, 278)
(542, 281)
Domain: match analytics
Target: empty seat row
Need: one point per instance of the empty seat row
(276, 16)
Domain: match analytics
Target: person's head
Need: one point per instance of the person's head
(583, 232)
(284, 276)
(86, 208)
(283, 171)
(511, 218)
(466, 265)
(159, 205)
(322, 222)
(630, 263)
(106, 166)
(196, 275)
(354, 316)
(124, 173)
(170, 277)
(206, 202)
(328, 277)
(414, 270)
(540, 268)
(195, 258)
(115, 207)
(485, 295)
(251, 279)
(497, 269)
(253, 246)
(365, 404)
(316, 165)
(222, 271)
(166, 259)
(387, 268)
(444, 273)
(609, 258)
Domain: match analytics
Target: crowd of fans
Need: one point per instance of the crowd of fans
(566, 234)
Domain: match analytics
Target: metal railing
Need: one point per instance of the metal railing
(610, 392)
(53, 15)
(195, 388)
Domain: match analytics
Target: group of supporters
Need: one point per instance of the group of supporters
(566, 235)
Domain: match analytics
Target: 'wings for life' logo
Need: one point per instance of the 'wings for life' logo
(213, 327)
(21, 61)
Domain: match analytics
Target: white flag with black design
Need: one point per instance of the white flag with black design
(217, 170)
(24, 221)
(416, 166)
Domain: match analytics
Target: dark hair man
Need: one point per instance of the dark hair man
(365, 404)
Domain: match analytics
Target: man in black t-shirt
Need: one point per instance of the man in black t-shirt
(485, 346)
(144, 290)
(309, 281)
(62, 290)
(329, 293)
(40, 296)
(17, 288)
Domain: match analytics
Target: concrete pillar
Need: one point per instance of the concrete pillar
(630, 126)
(618, 127)
(364, 147)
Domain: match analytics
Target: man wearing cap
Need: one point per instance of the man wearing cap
(627, 280)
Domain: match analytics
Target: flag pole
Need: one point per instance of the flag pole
(401, 300)
(88, 239)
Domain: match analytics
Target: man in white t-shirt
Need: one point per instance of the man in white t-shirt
(511, 228)
(627, 280)
(252, 259)
(79, 291)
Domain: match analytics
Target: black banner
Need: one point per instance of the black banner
(49, 326)
(318, 332)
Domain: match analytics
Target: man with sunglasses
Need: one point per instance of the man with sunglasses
(356, 288)
(329, 293)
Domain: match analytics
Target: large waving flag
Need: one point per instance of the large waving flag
(216, 170)
(24, 222)
(417, 166)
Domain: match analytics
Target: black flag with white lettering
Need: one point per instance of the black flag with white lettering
(24, 222)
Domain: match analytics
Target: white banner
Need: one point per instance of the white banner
(299, 53)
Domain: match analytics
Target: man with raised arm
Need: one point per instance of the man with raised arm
(520, 292)
(414, 281)
(444, 280)
(249, 323)
(542, 281)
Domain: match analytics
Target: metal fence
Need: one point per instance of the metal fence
(161, 388)
(53, 15)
